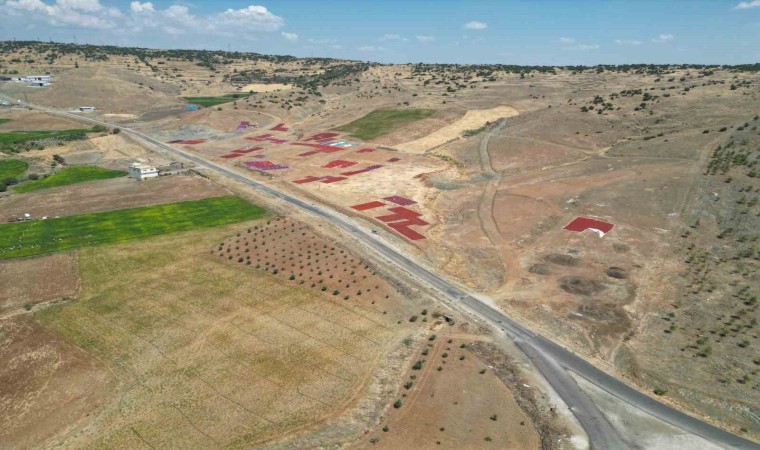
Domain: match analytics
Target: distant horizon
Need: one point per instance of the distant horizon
(633, 64)
(547, 33)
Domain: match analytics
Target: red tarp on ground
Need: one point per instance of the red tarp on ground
(326, 179)
(397, 199)
(264, 165)
(366, 169)
(366, 150)
(366, 206)
(394, 159)
(231, 155)
(584, 223)
(280, 127)
(322, 137)
(402, 219)
(340, 163)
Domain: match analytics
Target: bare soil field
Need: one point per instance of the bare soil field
(205, 351)
(25, 120)
(107, 195)
(453, 400)
(472, 120)
(47, 385)
(29, 281)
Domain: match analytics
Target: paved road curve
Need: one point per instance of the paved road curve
(552, 360)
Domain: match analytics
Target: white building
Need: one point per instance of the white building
(140, 171)
(86, 108)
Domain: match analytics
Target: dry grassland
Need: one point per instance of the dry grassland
(207, 352)
(453, 402)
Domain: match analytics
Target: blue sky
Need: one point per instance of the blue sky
(446, 31)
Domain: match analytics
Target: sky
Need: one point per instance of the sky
(402, 31)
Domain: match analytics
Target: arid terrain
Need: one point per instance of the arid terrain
(280, 332)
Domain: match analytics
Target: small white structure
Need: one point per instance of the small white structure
(140, 171)
(39, 84)
(38, 78)
(86, 108)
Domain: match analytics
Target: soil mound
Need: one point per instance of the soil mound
(540, 269)
(617, 272)
(580, 285)
(562, 260)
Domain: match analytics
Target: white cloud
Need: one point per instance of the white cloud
(584, 47)
(627, 42)
(138, 17)
(748, 5)
(475, 25)
(79, 13)
(390, 37)
(425, 38)
(322, 41)
(566, 40)
(371, 48)
(663, 38)
(254, 16)
(292, 37)
(140, 7)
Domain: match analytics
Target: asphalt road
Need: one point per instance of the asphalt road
(551, 360)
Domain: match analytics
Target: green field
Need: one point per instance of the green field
(2, 121)
(71, 175)
(12, 168)
(383, 121)
(17, 137)
(54, 235)
(213, 101)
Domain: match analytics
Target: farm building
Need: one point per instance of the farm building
(140, 171)
(86, 108)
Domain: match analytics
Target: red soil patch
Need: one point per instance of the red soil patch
(394, 159)
(280, 127)
(366, 150)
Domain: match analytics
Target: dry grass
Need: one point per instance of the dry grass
(208, 353)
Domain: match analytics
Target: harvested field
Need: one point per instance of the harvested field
(71, 175)
(472, 120)
(53, 235)
(47, 385)
(106, 195)
(260, 87)
(383, 121)
(28, 281)
(452, 400)
(208, 352)
(24, 120)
